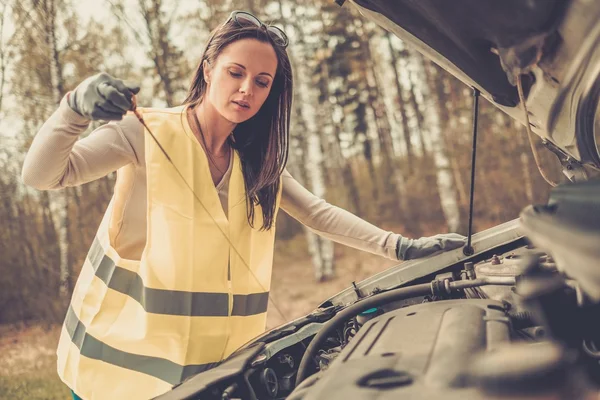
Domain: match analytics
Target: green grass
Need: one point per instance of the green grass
(28, 363)
(39, 386)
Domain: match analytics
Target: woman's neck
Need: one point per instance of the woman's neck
(214, 128)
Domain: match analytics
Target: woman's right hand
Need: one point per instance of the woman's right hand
(102, 97)
(409, 249)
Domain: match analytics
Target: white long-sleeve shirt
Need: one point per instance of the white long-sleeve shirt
(57, 159)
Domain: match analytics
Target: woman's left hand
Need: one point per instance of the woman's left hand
(409, 249)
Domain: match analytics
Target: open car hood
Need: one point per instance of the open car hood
(486, 43)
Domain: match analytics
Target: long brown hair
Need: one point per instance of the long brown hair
(262, 141)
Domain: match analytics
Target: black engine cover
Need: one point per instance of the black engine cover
(417, 352)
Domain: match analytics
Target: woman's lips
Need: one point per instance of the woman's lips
(241, 105)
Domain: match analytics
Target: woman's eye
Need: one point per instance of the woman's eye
(262, 84)
(235, 74)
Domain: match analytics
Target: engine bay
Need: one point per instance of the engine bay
(418, 347)
(511, 321)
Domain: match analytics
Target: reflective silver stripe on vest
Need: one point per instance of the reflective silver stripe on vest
(160, 368)
(250, 304)
(172, 302)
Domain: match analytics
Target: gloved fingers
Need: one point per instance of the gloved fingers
(107, 106)
(132, 86)
(453, 244)
(100, 114)
(449, 236)
(450, 241)
(128, 89)
(409, 249)
(114, 97)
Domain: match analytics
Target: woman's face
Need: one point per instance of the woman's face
(241, 78)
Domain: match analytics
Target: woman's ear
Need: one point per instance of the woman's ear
(207, 70)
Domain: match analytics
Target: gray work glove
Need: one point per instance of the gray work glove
(409, 249)
(102, 97)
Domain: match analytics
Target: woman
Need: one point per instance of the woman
(179, 273)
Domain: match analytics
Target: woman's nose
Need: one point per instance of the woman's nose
(246, 87)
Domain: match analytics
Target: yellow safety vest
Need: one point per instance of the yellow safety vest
(136, 328)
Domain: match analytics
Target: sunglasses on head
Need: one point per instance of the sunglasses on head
(244, 18)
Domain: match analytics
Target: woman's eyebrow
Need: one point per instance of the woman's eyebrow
(243, 67)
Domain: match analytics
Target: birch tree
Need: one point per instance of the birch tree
(151, 23)
(4, 51)
(48, 29)
(52, 55)
(310, 168)
(399, 102)
(441, 161)
(392, 180)
(438, 87)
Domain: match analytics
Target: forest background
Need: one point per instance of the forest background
(376, 129)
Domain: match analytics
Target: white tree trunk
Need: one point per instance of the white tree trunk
(321, 249)
(58, 205)
(445, 181)
(59, 200)
(448, 198)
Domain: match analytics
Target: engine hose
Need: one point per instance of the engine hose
(330, 326)
(522, 320)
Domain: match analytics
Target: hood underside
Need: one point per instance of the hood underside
(552, 44)
(465, 32)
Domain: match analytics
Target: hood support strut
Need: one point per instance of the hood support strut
(468, 249)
